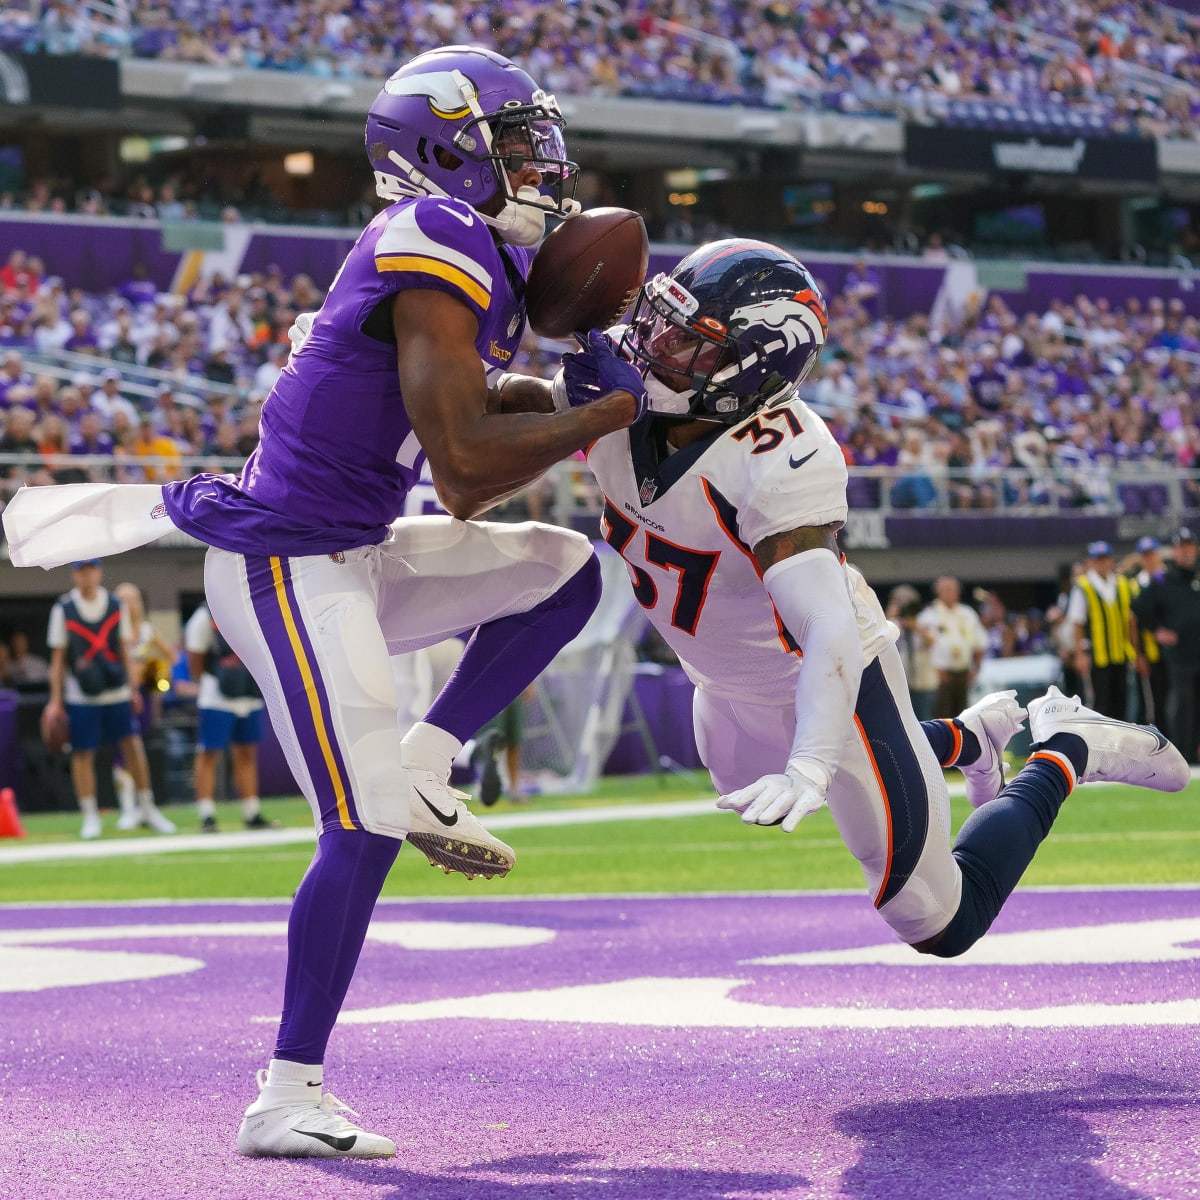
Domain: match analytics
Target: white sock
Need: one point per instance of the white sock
(464, 756)
(281, 1073)
(126, 792)
(250, 808)
(206, 807)
(145, 799)
(428, 748)
(87, 806)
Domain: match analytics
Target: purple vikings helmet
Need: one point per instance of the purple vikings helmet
(738, 324)
(453, 120)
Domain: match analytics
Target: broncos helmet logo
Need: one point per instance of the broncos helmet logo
(792, 318)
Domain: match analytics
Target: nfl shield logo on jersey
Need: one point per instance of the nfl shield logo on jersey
(647, 490)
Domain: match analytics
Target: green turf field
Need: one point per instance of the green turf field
(1105, 835)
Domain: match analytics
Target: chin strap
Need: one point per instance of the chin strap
(522, 220)
(665, 400)
(417, 183)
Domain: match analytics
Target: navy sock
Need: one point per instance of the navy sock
(326, 929)
(952, 742)
(505, 656)
(998, 841)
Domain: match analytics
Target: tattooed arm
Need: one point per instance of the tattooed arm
(778, 546)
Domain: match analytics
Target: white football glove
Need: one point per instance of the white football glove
(786, 799)
(300, 329)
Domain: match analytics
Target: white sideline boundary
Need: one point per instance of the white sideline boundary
(255, 839)
(246, 840)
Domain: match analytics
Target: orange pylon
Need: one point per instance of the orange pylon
(10, 819)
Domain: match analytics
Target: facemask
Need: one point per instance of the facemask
(666, 400)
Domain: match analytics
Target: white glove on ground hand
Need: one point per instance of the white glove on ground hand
(787, 798)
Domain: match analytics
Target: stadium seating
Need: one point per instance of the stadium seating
(1094, 66)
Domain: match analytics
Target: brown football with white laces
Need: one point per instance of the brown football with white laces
(587, 272)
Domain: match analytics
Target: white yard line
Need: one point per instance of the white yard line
(249, 839)
(532, 819)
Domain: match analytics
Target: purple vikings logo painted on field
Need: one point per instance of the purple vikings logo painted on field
(624, 1049)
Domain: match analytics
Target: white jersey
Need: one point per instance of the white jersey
(686, 524)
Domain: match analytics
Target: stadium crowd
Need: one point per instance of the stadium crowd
(996, 409)
(846, 56)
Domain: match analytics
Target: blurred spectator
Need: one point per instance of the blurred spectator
(16, 274)
(13, 376)
(1150, 666)
(138, 289)
(55, 452)
(153, 446)
(863, 286)
(904, 607)
(1170, 607)
(108, 400)
(957, 642)
(26, 669)
(150, 655)
(230, 707)
(17, 439)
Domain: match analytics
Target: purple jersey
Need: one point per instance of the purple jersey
(337, 455)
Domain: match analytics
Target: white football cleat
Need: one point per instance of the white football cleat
(993, 720)
(92, 828)
(286, 1122)
(1118, 752)
(130, 818)
(443, 829)
(154, 818)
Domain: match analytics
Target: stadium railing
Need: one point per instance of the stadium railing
(1158, 492)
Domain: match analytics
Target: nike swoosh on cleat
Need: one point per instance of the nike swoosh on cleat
(317, 1084)
(343, 1144)
(799, 462)
(452, 819)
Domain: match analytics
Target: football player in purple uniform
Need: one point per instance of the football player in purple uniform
(725, 505)
(314, 581)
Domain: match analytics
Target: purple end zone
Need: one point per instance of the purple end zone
(619, 1049)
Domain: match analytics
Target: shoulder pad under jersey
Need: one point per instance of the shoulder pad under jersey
(440, 244)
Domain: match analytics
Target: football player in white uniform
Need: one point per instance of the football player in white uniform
(725, 505)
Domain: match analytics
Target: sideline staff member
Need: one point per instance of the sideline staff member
(1170, 609)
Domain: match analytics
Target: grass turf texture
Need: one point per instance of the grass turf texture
(1105, 835)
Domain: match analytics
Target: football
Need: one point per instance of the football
(587, 272)
(55, 730)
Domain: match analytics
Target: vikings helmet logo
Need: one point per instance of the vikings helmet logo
(448, 97)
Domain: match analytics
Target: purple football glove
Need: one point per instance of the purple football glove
(598, 369)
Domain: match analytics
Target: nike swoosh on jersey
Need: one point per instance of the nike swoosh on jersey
(465, 218)
(452, 819)
(337, 1143)
(799, 462)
